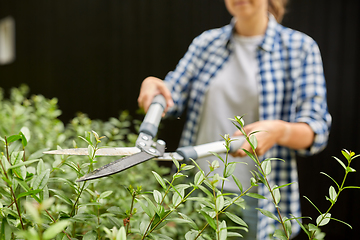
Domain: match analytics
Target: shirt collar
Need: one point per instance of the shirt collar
(269, 37)
(268, 42)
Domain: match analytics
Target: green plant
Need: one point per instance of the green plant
(30, 180)
(40, 198)
(313, 231)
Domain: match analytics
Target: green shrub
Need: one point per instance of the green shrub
(40, 198)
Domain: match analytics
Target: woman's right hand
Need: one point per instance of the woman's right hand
(151, 87)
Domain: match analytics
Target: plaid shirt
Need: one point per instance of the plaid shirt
(291, 87)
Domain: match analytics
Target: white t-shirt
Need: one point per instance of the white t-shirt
(232, 92)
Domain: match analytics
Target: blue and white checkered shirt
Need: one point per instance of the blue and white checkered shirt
(291, 87)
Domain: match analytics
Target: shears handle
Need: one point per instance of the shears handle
(204, 150)
(152, 118)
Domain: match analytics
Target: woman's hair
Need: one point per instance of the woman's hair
(277, 8)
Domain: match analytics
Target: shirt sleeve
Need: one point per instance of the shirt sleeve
(312, 103)
(179, 81)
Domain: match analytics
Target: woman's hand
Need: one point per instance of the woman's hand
(151, 87)
(271, 132)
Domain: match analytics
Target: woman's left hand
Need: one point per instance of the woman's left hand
(293, 135)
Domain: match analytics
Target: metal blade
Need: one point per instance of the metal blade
(117, 166)
(169, 156)
(117, 151)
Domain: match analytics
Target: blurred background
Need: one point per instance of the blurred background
(93, 55)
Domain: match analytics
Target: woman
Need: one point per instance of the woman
(257, 67)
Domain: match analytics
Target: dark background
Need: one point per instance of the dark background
(93, 55)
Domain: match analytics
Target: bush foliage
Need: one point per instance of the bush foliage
(40, 198)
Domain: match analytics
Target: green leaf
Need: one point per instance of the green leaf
(199, 177)
(341, 162)
(73, 166)
(91, 151)
(33, 211)
(234, 234)
(59, 194)
(143, 226)
(350, 169)
(90, 235)
(13, 138)
(176, 199)
(287, 226)
(219, 203)
(189, 220)
(150, 204)
(23, 139)
(255, 195)
(5, 231)
(191, 235)
(54, 229)
(342, 222)
(253, 141)
(230, 168)
(301, 225)
(266, 166)
(38, 154)
(146, 209)
(223, 231)
(323, 219)
(268, 214)
(280, 234)
(176, 162)
(31, 192)
(236, 219)
(346, 154)
(121, 235)
(354, 187)
(187, 167)
(312, 227)
(23, 163)
(40, 167)
(285, 185)
(41, 180)
(277, 195)
(157, 196)
(206, 191)
(332, 193)
(218, 156)
(159, 179)
(331, 179)
(313, 204)
(22, 183)
(238, 183)
(105, 194)
(250, 155)
(26, 133)
(209, 220)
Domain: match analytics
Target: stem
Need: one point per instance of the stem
(77, 200)
(17, 207)
(272, 194)
(225, 168)
(167, 214)
(217, 215)
(130, 215)
(153, 218)
(11, 189)
(55, 221)
(332, 204)
(267, 183)
(223, 210)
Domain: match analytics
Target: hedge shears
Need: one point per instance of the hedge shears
(146, 148)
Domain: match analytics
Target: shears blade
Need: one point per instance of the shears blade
(116, 151)
(117, 166)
